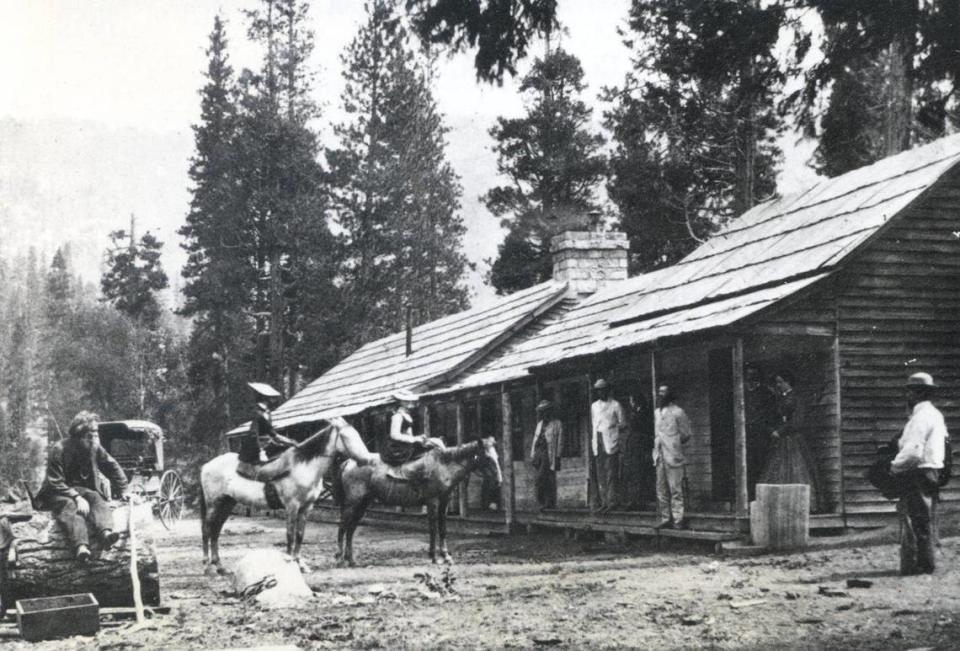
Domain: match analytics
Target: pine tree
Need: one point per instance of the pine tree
(888, 72)
(284, 197)
(395, 193)
(501, 31)
(59, 289)
(694, 123)
(220, 279)
(553, 163)
(134, 276)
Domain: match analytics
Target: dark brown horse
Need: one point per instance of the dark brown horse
(430, 479)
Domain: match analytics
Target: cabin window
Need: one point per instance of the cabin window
(443, 422)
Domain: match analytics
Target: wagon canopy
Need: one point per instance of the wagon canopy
(132, 440)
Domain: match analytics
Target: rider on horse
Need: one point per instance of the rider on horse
(404, 445)
(262, 442)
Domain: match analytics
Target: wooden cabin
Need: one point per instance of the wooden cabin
(848, 286)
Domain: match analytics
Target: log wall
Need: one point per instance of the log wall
(899, 312)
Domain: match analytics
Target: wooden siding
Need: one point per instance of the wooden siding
(899, 313)
(686, 370)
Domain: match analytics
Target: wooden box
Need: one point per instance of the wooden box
(46, 618)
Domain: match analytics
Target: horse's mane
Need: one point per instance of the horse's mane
(314, 446)
(461, 452)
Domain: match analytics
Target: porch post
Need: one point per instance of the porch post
(462, 489)
(425, 419)
(742, 506)
(507, 488)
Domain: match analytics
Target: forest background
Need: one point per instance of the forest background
(319, 223)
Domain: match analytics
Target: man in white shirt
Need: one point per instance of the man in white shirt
(609, 422)
(919, 460)
(671, 433)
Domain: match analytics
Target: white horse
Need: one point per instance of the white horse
(296, 484)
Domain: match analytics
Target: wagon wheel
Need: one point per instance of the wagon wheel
(170, 499)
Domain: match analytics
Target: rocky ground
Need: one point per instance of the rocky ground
(544, 591)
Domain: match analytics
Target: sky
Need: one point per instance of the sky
(133, 68)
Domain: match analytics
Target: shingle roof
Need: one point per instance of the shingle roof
(769, 253)
(441, 349)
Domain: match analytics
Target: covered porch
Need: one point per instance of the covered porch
(718, 381)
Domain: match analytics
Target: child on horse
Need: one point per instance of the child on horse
(403, 445)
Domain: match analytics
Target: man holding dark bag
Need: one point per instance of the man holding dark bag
(918, 465)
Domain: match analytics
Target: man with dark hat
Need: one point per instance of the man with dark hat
(545, 455)
(920, 457)
(262, 442)
(71, 490)
(609, 422)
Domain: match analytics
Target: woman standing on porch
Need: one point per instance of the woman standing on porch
(791, 460)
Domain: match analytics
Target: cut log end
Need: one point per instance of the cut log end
(46, 566)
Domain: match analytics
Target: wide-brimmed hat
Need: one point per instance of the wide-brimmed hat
(600, 384)
(264, 390)
(921, 380)
(544, 404)
(405, 396)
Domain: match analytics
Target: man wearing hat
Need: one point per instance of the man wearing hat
(920, 457)
(262, 442)
(609, 422)
(71, 490)
(545, 455)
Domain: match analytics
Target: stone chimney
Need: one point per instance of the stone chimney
(589, 260)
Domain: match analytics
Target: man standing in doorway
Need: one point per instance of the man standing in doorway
(545, 455)
(672, 431)
(918, 462)
(609, 422)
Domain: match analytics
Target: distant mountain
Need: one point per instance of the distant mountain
(76, 181)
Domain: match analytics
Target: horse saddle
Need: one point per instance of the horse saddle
(413, 470)
(272, 470)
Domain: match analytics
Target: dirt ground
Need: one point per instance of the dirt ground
(541, 590)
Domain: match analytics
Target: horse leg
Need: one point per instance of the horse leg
(432, 525)
(220, 511)
(301, 527)
(357, 515)
(345, 509)
(442, 528)
(204, 528)
(293, 512)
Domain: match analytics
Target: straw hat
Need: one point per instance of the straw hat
(921, 380)
(264, 390)
(543, 404)
(600, 384)
(405, 396)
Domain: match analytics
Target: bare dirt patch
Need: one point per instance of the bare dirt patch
(533, 591)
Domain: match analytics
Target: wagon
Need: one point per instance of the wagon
(137, 445)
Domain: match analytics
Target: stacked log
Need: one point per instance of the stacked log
(46, 566)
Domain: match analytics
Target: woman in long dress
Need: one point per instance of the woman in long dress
(791, 461)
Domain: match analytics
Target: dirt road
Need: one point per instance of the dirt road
(541, 590)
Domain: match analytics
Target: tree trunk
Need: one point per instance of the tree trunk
(46, 567)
